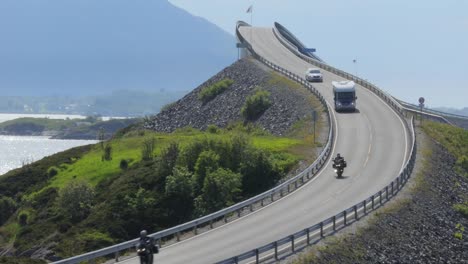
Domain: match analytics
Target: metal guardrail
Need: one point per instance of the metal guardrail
(285, 37)
(294, 41)
(431, 112)
(383, 95)
(329, 226)
(263, 199)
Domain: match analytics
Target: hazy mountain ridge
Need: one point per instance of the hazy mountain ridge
(450, 110)
(94, 47)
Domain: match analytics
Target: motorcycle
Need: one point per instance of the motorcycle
(144, 253)
(339, 168)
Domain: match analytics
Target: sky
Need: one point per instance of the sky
(410, 49)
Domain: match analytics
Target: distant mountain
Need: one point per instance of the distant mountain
(89, 47)
(463, 111)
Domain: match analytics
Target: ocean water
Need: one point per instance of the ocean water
(15, 151)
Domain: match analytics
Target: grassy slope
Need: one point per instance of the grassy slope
(35, 184)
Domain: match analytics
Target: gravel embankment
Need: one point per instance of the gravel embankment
(288, 105)
(418, 229)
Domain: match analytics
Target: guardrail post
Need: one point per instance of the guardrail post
(257, 256)
(288, 187)
(211, 224)
(386, 192)
(295, 184)
(225, 218)
(308, 236)
(355, 212)
(236, 260)
(276, 250)
(365, 207)
(398, 183)
(271, 197)
(292, 243)
(321, 229)
(116, 256)
(372, 202)
(334, 223)
(178, 236)
(281, 193)
(380, 197)
(195, 230)
(251, 208)
(261, 202)
(344, 215)
(392, 190)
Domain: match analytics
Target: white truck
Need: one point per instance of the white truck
(344, 93)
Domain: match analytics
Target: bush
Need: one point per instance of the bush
(107, 156)
(208, 93)
(76, 200)
(123, 164)
(256, 104)
(147, 150)
(461, 208)
(213, 129)
(52, 171)
(7, 208)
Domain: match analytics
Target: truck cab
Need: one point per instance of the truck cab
(344, 93)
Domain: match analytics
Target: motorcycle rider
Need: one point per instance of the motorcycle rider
(149, 243)
(338, 160)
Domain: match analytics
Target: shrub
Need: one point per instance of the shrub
(461, 208)
(52, 171)
(148, 149)
(7, 208)
(256, 104)
(213, 129)
(76, 200)
(123, 164)
(107, 156)
(208, 93)
(23, 218)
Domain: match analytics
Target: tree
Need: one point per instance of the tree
(7, 208)
(259, 172)
(169, 158)
(207, 161)
(76, 200)
(221, 188)
(179, 190)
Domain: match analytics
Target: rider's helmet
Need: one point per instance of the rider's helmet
(143, 234)
(338, 155)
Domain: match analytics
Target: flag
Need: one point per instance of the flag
(249, 10)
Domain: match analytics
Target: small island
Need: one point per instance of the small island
(91, 127)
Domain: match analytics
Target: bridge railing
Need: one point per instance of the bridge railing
(329, 226)
(311, 235)
(246, 206)
(283, 36)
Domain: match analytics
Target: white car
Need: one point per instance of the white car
(314, 75)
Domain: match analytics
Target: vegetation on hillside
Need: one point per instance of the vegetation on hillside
(208, 93)
(86, 202)
(454, 139)
(256, 104)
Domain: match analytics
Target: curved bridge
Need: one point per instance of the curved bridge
(376, 142)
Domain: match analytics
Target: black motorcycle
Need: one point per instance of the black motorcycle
(144, 253)
(339, 167)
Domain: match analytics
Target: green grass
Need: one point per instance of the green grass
(454, 139)
(92, 169)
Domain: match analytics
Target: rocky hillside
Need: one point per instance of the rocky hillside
(288, 104)
(423, 228)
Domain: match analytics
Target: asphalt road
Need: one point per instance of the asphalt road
(373, 141)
